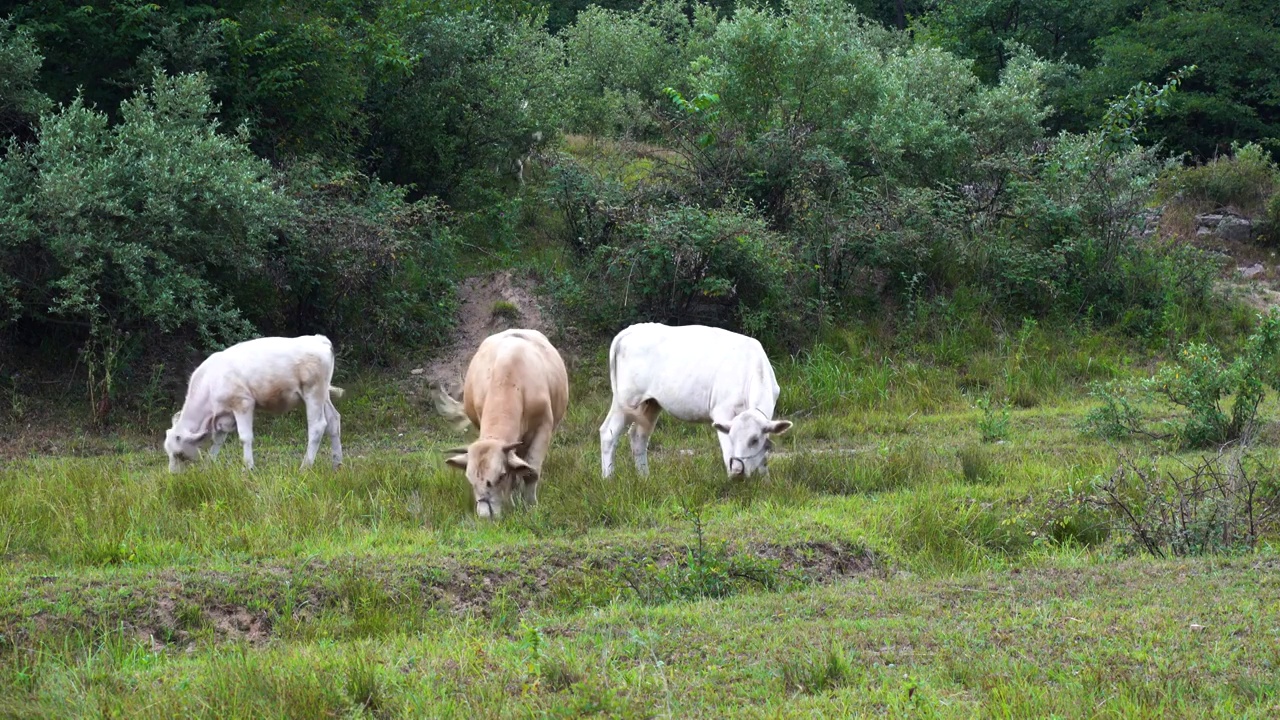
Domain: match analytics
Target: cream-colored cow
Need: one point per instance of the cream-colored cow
(516, 393)
(272, 374)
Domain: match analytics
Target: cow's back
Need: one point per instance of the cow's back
(271, 370)
(516, 371)
(690, 369)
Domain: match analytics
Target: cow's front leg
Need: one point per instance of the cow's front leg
(244, 428)
(219, 437)
(538, 447)
(726, 449)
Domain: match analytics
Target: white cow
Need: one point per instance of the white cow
(272, 374)
(698, 374)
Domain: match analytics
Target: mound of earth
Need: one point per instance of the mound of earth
(486, 304)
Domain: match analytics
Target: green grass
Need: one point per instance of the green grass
(890, 563)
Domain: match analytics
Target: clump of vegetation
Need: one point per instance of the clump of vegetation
(975, 463)
(1221, 503)
(1116, 417)
(993, 424)
(702, 572)
(1199, 382)
(505, 310)
(820, 673)
(1245, 181)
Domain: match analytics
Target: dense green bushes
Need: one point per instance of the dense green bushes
(20, 101)
(1244, 180)
(891, 172)
(802, 165)
(618, 63)
(160, 231)
(365, 266)
(682, 265)
(478, 94)
(158, 224)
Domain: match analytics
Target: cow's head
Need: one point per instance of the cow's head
(182, 446)
(749, 443)
(494, 470)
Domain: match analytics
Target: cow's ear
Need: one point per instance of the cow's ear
(721, 427)
(517, 466)
(779, 427)
(457, 461)
(196, 438)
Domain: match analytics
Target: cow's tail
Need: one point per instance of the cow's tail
(632, 414)
(334, 392)
(613, 361)
(452, 410)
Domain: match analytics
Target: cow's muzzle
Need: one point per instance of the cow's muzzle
(486, 509)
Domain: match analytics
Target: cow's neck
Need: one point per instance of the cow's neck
(196, 410)
(502, 417)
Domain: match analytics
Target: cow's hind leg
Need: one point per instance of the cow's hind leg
(333, 420)
(641, 429)
(610, 431)
(316, 424)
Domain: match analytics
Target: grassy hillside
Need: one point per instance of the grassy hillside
(890, 563)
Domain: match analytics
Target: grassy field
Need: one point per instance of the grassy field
(891, 563)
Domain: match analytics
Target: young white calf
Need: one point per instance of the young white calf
(272, 374)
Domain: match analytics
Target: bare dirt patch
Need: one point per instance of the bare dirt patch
(487, 304)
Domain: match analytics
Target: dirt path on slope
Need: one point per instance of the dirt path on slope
(487, 304)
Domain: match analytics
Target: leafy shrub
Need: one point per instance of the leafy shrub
(1245, 180)
(1199, 381)
(1271, 219)
(158, 225)
(1219, 504)
(300, 75)
(686, 264)
(590, 204)
(365, 266)
(1116, 417)
(993, 424)
(619, 62)
(20, 101)
(480, 92)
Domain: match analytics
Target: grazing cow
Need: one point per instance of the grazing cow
(698, 374)
(516, 393)
(272, 374)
